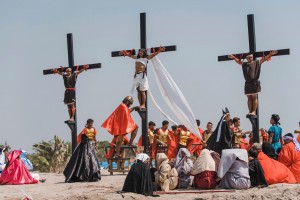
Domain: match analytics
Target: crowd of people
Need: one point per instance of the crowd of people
(225, 158)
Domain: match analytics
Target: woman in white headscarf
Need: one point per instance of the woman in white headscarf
(138, 179)
(234, 170)
(184, 165)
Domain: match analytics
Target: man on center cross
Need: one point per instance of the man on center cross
(251, 71)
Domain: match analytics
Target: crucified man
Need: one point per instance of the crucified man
(70, 83)
(140, 75)
(251, 71)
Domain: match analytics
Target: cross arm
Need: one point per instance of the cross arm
(152, 50)
(281, 52)
(91, 66)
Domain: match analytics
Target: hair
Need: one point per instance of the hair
(151, 123)
(128, 99)
(289, 134)
(235, 119)
(145, 53)
(165, 122)
(89, 121)
(174, 127)
(249, 54)
(209, 123)
(276, 119)
(198, 122)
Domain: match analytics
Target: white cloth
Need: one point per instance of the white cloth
(297, 144)
(204, 162)
(141, 82)
(159, 108)
(174, 97)
(142, 157)
(229, 158)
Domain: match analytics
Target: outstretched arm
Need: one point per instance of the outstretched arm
(128, 54)
(237, 60)
(161, 49)
(56, 71)
(268, 57)
(85, 67)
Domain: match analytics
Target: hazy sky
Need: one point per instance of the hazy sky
(33, 38)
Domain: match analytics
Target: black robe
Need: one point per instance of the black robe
(256, 173)
(225, 138)
(83, 165)
(138, 179)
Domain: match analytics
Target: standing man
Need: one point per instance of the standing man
(237, 133)
(163, 137)
(251, 71)
(207, 133)
(120, 123)
(70, 83)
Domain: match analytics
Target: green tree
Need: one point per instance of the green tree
(50, 156)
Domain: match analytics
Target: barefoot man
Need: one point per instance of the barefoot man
(251, 71)
(120, 123)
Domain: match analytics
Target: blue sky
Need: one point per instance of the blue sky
(33, 38)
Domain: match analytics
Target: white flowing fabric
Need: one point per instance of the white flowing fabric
(157, 106)
(174, 97)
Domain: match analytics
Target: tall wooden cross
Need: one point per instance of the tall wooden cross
(72, 125)
(252, 49)
(144, 114)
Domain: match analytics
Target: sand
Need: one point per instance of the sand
(54, 188)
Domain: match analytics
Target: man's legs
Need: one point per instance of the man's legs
(133, 135)
(254, 104)
(250, 103)
(71, 110)
(142, 98)
(119, 143)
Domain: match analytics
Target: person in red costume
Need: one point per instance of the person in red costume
(152, 139)
(15, 172)
(112, 149)
(120, 123)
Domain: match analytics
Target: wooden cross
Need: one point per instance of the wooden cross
(144, 114)
(72, 125)
(252, 49)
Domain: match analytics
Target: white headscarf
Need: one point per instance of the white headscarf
(180, 159)
(142, 157)
(297, 145)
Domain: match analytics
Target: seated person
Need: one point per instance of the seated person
(15, 171)
(233, 169)
(256, 172)
(204, 171)
(138, 179)
(166, 177)
(269, 150)
(290, 155)
(274, 171)
(3, 152)
(184, 165)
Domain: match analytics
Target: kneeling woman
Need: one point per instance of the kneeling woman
(84, 165)
(138, 179)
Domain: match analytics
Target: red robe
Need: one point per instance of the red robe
(275, 172)
(83, 132)
(298, 138)
(172, 145)
(16, 172)
(111, 151)
(244, 144)
(195, 140)
(291, 158)
(120, 121)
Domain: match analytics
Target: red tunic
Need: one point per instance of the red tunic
(172, 145)
(120, 121)
(84, 132)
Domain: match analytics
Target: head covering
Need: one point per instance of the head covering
(297, 145)
(180, 158)
(276, 118)
(204, 162)
(142, 157)
(229, 156)
(249, 54)
(269, 150)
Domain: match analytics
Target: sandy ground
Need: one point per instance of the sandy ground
(54, 188)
